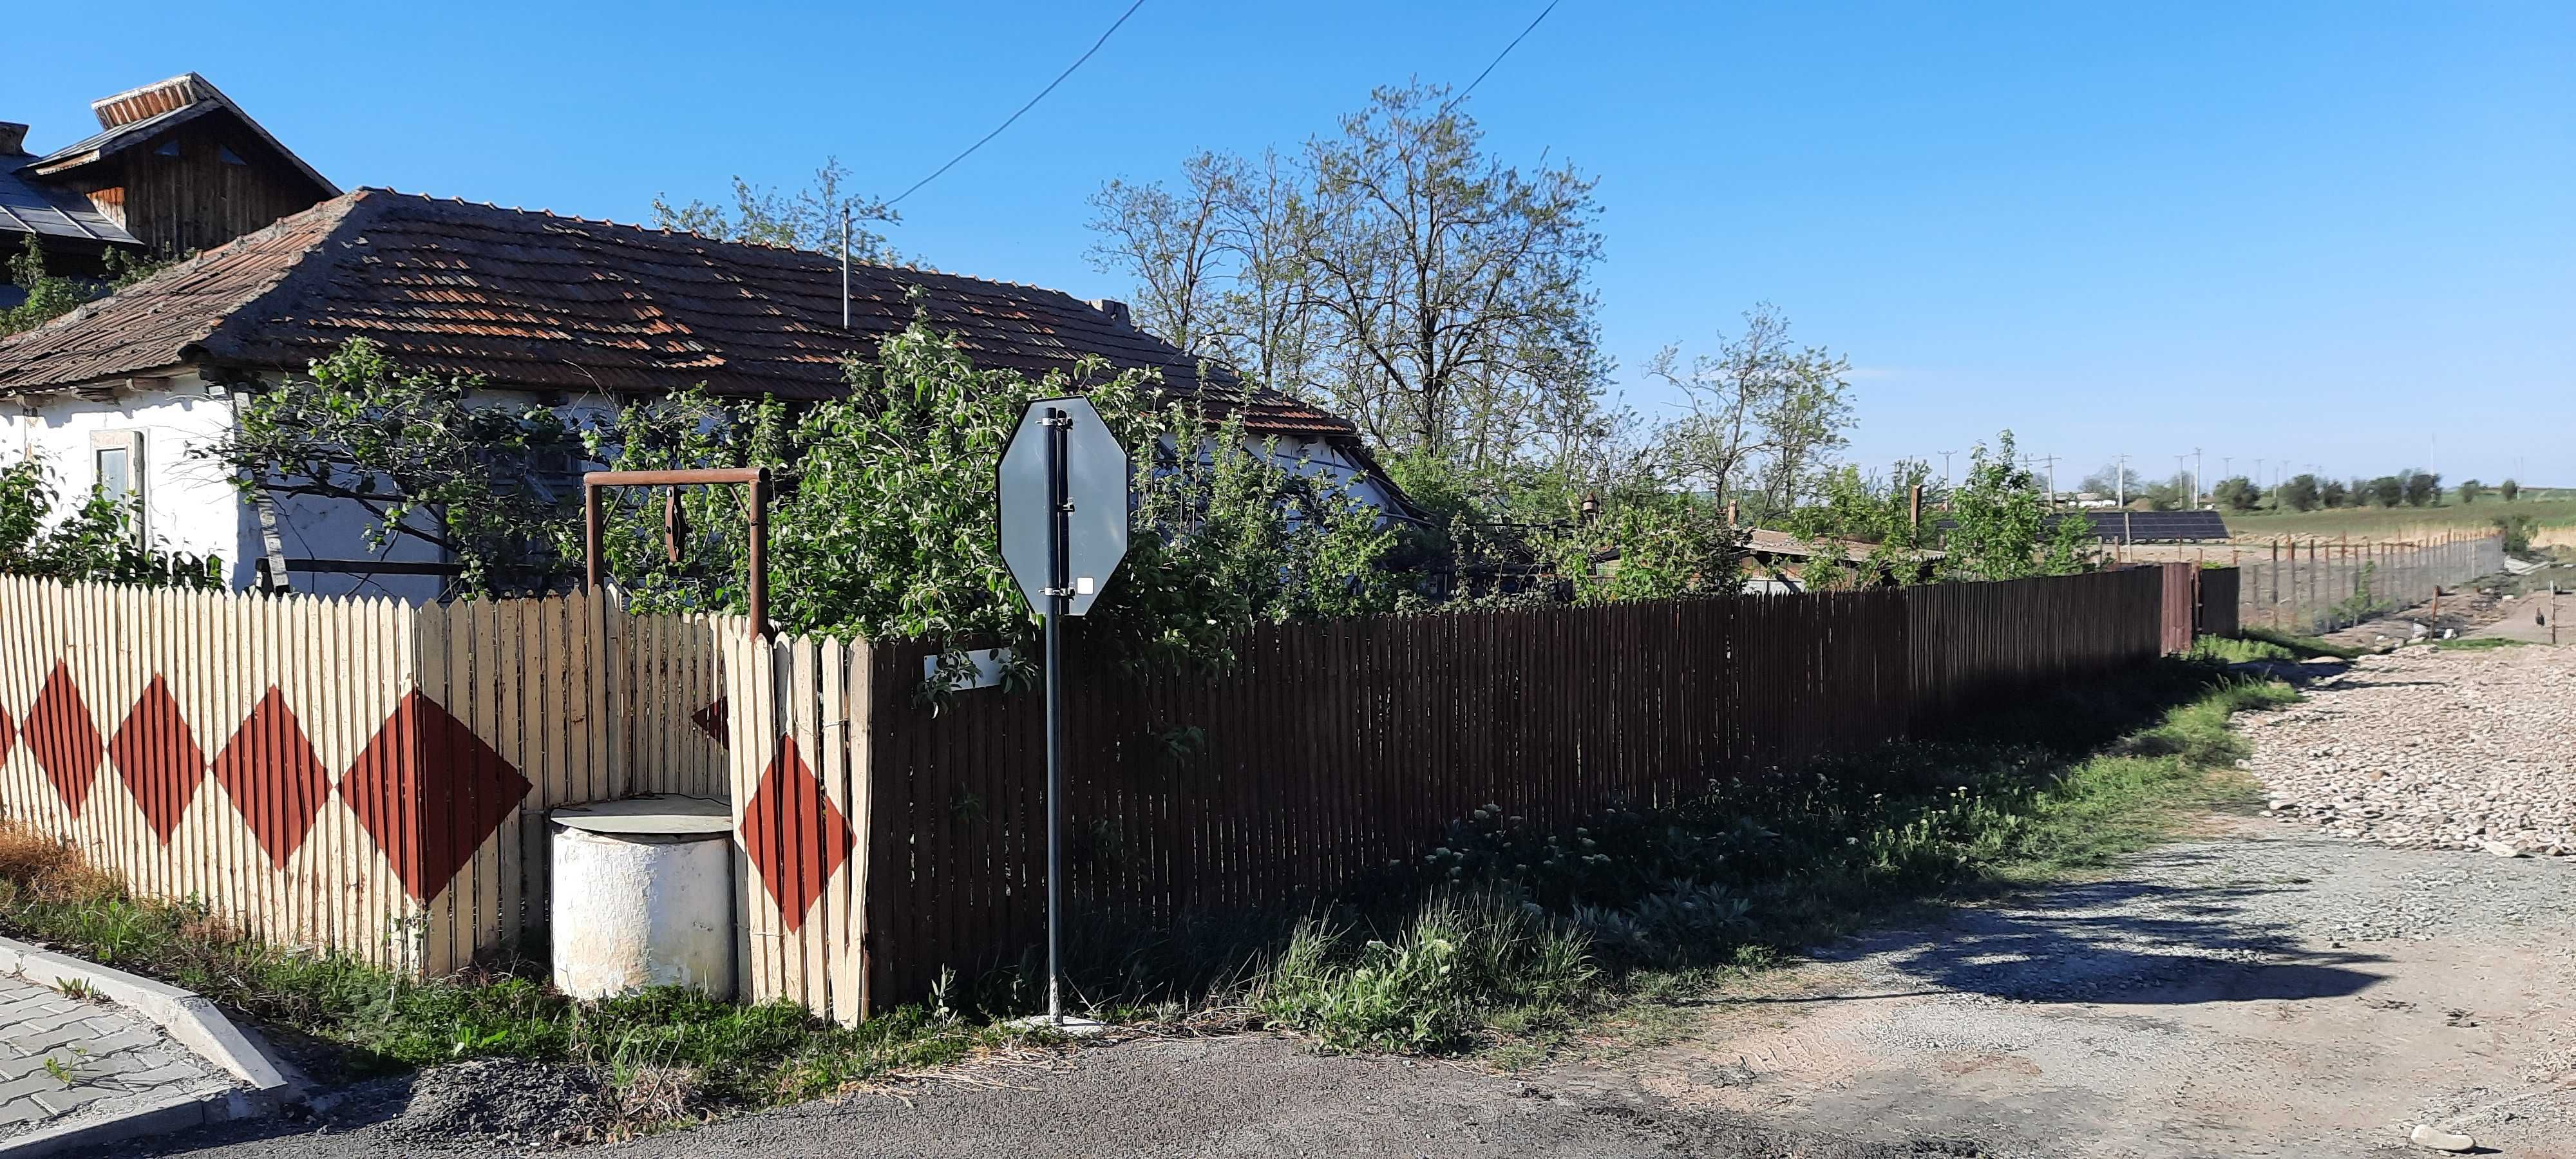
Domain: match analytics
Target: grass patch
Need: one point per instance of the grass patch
(2552, 511)
(1522, 941)
(2478, 644)
(2258, 643)
(674, 1055)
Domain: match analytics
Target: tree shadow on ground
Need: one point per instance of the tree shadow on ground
(2140, 938)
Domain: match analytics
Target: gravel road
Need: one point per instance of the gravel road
(2424, 746)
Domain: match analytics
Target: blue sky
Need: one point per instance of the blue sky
(2337, 233)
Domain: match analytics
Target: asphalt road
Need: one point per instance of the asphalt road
(1240, 1096)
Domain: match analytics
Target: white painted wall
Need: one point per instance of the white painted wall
(189, 505)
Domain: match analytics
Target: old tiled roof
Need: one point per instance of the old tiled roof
(537, 300)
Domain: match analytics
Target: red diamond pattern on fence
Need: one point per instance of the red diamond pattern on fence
(8, 734)
(275, 781)
(430, 792)
(158, 759)
(711, 721)
(63, 739)
(793, 835)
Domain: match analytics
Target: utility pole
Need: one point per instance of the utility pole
(2198, 477)
(1945, 469)
(2120, 480)
(2258, 480)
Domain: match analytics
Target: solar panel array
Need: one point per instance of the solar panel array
(2156, 526)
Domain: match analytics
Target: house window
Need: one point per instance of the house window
(116, 459)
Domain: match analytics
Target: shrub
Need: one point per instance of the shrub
(2516, 530)
(94, 542)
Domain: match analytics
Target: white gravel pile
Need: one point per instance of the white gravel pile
(2432, 749)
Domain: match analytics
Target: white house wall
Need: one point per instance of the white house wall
(189, 503)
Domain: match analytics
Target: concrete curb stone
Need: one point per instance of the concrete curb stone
(188, 1018)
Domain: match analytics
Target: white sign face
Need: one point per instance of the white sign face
(1095, 478)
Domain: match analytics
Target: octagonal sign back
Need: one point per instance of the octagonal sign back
(1096, 475)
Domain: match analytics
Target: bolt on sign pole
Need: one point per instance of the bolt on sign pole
(1062, 489)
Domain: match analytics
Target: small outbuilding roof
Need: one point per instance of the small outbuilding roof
(140, 115)
(27, 207)
(533, 299)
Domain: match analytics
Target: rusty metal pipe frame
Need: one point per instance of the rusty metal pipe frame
(756, 477)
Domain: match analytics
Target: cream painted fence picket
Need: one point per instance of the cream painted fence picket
(801, 732)
(350, 774)
(194, 743)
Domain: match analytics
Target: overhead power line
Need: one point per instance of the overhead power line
(1498, 57)
(1033, 103)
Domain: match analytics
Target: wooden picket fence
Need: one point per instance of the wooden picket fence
(373, 778)
(886, 837)
(351, 774)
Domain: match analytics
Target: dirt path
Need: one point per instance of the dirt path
(2269, 988)
(2253, 994)
(2288, 986)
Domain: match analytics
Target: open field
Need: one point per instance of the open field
(2557, 513)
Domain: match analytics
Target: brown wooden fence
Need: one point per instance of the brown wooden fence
(374, 778)
(350, 774)
(885, 840)
(2217, 614)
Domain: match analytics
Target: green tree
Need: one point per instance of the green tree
(884, 521)
(2508, 490)
(2388, 491)
(1763, 414)
(809, 219)
(2470, 490)
(490, 486)
(1394, 270)
(2333, 493)
(2114, 482)
(2299, 493)
(93, 542)
(2516, 528)
(2172, 494)
(2002, 526)
(1851, 509)
(2422, 489)
(2237, 493)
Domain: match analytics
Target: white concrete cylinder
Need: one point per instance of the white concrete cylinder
(643, 896)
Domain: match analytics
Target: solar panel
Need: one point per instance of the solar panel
(2156, 526)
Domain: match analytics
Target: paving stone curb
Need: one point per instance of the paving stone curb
(189, 1019)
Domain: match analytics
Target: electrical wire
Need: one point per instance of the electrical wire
(1033, 103)
(1498, 57)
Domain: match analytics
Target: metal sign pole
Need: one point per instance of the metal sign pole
(1062, 491)
(1059, 586)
